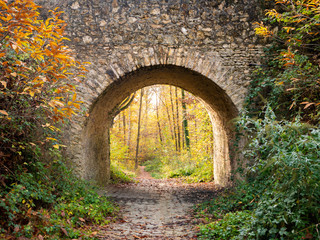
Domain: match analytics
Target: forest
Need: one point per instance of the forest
(163, 128)
(166, 129)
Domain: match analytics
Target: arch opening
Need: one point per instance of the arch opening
(173, 137)
(221, 109)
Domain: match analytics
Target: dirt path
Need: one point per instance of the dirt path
(155, 209)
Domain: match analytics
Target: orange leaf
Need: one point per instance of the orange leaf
(294, 103)
(4, 84)
(4, 112)
(307, 105)
(76, 105)
(2, 54)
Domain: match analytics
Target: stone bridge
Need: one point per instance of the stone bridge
(205, 47)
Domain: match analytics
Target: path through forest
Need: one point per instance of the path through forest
(155, 208)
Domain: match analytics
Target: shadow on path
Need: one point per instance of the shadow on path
(156, 208)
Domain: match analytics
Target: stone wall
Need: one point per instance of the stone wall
(120, 37)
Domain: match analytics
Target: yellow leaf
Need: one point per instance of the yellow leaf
(56, 103)
(3, 4)
(3, 112)
(56, 146)
(4, 84)
(76, 105)
(74, 97)
(50, 138)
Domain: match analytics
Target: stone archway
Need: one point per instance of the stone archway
(205, 47)
(94, 140)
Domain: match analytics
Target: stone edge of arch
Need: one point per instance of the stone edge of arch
(89, 91)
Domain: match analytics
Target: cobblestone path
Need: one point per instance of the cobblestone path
(155, 209)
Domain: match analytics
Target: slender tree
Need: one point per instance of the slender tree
(138, 131)
(129, 129)
(165, 103)
(185, 120)
(177, 120)
(124, 126)
(174, 120)
(158, 119)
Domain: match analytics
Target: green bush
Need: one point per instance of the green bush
(282, 189)
(243, 196)
(285, 161)
(47, 200)
(226, 228)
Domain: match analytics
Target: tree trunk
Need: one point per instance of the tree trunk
(195, 131)
(129, 129)
(138, 133)
(178, 120)
(165, 103)
(185, 121)
(124, 127)
(158, 120)
(174, 121)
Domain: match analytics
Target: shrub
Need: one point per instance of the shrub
(226, 228)
(282, 189)
(49, 201)
(285, 161)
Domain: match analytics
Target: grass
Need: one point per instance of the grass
(180, 166)
(120, 174)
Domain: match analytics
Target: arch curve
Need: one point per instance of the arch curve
(94, 140)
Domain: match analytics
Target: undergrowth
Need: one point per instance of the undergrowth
(281, 197)
(191, 169)
(40, 198)
(48, 201)
(120, 174)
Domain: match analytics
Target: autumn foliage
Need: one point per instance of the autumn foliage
(294, 30)
(39, 197)
(35, 73)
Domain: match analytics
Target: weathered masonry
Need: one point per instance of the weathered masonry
(204, 47)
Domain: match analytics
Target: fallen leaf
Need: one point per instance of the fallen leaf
(4, 84)
(56, 146)
(3, 112)
(64, 231)
(16, 228)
